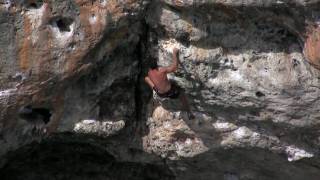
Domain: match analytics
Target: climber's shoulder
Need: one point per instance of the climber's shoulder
(163, 70)
(158, 71)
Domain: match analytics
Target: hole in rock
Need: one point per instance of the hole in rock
(34, 4)
(260, 94)
(64, 24)
(32, 115)
(295, 62)
(184, 38)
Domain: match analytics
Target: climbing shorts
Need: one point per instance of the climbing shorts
(173, 93)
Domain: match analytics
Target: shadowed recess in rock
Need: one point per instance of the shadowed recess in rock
(62, 23)
(75, 160)
(241, 164)
(33, 4)
(31, 114)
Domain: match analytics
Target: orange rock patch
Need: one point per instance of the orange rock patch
(312, 47)
(24, 49)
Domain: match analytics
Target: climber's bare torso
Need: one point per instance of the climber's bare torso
(159, 78)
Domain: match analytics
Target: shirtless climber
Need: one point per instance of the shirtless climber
(157, 79)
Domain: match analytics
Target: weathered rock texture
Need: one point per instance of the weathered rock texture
(250, 70)
(71, 57)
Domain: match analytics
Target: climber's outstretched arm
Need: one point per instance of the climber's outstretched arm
(149, 82)
(174, 66)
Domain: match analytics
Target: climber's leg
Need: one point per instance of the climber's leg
(185, 104)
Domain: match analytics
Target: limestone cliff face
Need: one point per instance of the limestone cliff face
(250, 70)
(62, 55)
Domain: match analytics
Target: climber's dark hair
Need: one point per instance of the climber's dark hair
(153, 65)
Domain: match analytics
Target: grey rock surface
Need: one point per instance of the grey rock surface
(247, 78)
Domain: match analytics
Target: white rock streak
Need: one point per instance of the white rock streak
(93, 19)
(104, 128)
(295, 154)
(241, 133)
(224, 126)
(7, 92)
(35, 17)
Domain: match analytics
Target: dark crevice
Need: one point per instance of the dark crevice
(33, 115)
(63, 23)
(68, 157)
(141, 96)
(138, 100)
(260, 94)
(34, 4)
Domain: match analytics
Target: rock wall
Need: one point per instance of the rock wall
(245, 68)
(250, 70)
(67, 57)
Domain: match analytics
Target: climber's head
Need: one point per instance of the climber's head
(153, 65)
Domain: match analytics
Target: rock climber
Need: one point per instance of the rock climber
(38, 117)
(157, 79)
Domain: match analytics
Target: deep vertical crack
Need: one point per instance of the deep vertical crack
(141, 95)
